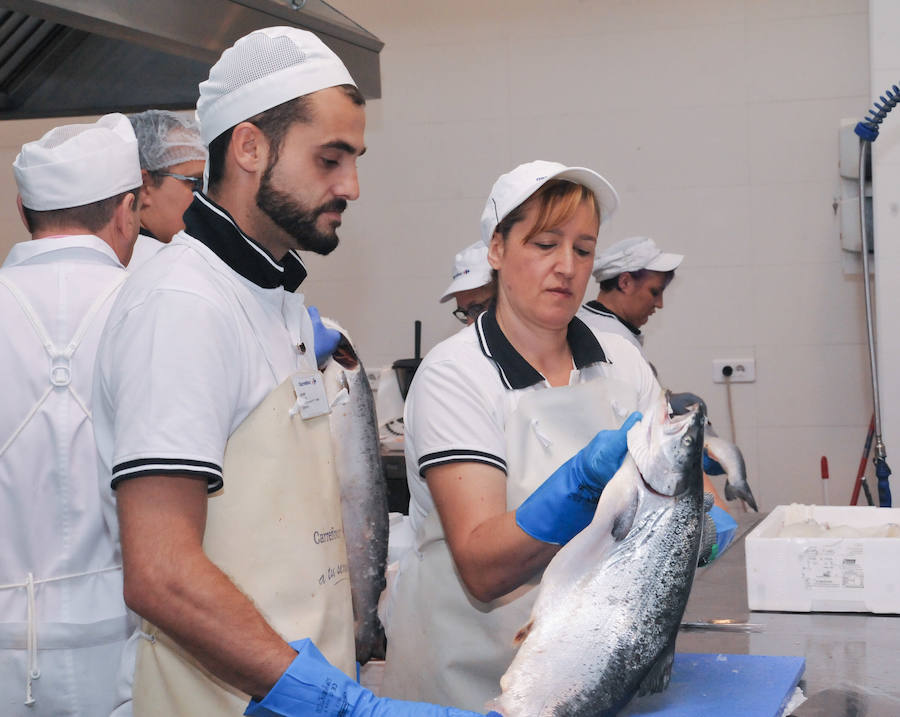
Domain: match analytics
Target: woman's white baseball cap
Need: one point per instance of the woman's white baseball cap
(262, 70)
(470, 270)
(78, 164)
(633, 254)
(514, 187)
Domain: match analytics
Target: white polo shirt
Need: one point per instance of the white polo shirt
(195, 341)
(468, 385)
(599, 318)
(145, 247)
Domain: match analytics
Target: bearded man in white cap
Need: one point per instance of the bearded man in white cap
(64, 620)
(633, 274)
(211, 417)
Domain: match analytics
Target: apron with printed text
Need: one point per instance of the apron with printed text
(444, 646)
(275, 529)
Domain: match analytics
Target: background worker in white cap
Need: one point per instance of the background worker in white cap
(633, 274)
(507, 446)
(471, 286)
(173, 157)
(63, 621)
(211, 417)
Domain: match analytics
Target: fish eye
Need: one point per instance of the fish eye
(687, 440)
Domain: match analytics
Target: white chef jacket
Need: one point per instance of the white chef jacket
(60, 575)
(201, 334)
(599, 318)
(145, 247)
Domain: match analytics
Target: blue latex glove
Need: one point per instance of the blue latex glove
(726, 526)
(711, 466)
(312, 686)
(564, 504)
(326, 340)
(718, 532)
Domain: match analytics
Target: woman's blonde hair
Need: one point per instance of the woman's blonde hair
(557, 201)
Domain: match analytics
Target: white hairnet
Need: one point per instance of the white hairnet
(166, 139)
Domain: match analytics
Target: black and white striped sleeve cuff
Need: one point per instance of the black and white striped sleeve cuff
(438, 458)
(210, 472)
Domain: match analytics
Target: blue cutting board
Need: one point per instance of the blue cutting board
(715, 685)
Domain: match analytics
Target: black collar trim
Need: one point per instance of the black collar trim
(515, 372)
(212, 225)
(595, 307)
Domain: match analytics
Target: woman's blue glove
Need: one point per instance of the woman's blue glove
(564, 504)
(312, 686)
(718, 531)
(325, 339)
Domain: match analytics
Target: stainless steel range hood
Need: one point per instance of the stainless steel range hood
(87, 57)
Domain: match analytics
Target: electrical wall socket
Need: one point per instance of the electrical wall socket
(742, 370)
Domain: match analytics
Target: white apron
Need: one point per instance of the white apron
(71, 654)
(444, 646)
(275, 529)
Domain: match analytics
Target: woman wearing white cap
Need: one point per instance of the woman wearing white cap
(63, 622)
(472, 285)
(505, 439)
(633, 274)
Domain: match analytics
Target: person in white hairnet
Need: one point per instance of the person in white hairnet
(172, 160)
(633, 275)
(471, 285)
(63, 622)
(211, 418)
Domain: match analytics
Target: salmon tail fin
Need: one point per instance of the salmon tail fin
(523, 633)
(657, 678)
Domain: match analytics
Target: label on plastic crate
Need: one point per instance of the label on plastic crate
(839, 565)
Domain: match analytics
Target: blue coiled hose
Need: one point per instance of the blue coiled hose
(867, 130)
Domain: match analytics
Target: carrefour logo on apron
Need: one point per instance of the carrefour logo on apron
(327, 536)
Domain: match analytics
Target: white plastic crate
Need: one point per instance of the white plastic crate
(824, 574)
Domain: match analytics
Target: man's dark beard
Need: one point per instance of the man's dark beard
(295, 219)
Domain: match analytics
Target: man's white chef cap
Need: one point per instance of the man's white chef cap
(78, 164)
(263, 70)
(633, 254)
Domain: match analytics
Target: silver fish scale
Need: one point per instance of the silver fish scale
(664, 544)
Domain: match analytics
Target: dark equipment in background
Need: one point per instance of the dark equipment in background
(406, 368)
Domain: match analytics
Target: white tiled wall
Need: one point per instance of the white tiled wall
(717, 122)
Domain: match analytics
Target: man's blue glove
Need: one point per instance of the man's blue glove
(325, 339)
(711, 466)
(312, 686)
(564, 504)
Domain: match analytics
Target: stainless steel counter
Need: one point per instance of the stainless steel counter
(852, 660)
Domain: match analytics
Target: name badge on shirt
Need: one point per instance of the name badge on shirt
(312, 400)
